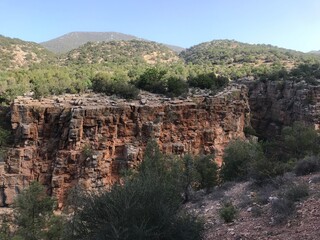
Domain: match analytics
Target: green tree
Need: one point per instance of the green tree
(5, 233)
(146, 206)
(300, 140)
(237, 158)
(105, 83)
(176, 86)
(153, 80)
(207, 171)
(33, 212)
(187, 176)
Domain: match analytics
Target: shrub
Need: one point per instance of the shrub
(238, 157)
(87, 151)
(125, 90)
(153, 80)
(299, 140)
(207, 172)
(282, 209)
(34, 214)
(296, 192)
(208, 81)
(256, 211)
(307, 165)
(187, 176)
(104, 83)
(146, 206)
(176, 87)
(5, 222)
(228, 212)
(249, 131)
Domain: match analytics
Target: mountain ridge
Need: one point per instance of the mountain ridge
(121, 52)
(73, 40)
(315, 52)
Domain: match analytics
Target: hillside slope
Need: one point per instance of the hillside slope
(315, 52)
(128, 53)
(233, 52)
(255, 218)
(243, 59)
(74, 40)
(16, 53)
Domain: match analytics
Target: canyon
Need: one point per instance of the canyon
(88, 139)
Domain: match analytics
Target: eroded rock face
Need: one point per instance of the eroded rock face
(68, 140)
(275, 104)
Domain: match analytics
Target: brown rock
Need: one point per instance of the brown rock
(61, 145)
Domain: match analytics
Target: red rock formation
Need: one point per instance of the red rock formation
(86, 139)
(275, 104)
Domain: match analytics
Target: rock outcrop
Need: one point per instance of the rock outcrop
(275, 104)
(68, 140)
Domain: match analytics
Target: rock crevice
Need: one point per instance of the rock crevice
(68, 140)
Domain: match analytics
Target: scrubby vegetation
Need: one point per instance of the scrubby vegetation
(34, 216)
(147, 204)
(296, 149)
(147, 65)
(5, 135)
(228, 212)
(237, 60)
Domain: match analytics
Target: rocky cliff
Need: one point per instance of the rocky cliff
(68, 140)
(275, 104)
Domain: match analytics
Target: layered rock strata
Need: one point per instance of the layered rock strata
(275, 104)
(68, 140)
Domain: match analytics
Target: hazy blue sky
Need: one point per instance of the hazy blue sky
(293, 24)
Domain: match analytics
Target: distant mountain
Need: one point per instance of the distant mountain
(16, 53)
(230, 52)
(125, 53)
(74, 40)
(315, 52)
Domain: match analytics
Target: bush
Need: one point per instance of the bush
(104, 83)
(146, 206)
(297, 192)
(307, 165)
(228, 212)
(238, 157)
(187, 176)
(176, 87)
(153, 80)
(33, 211)
(5, 222)
(282, 209)
(207, 172)
(249, 131)
(208, 81)
(256, 211)
(299, 140)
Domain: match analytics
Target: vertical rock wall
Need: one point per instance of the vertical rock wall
(275, 104)
(87, 139)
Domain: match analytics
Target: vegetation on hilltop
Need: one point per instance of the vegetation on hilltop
(16, 53)
(74, 40)
(129, 53)
(150, 66)
(237, 60)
